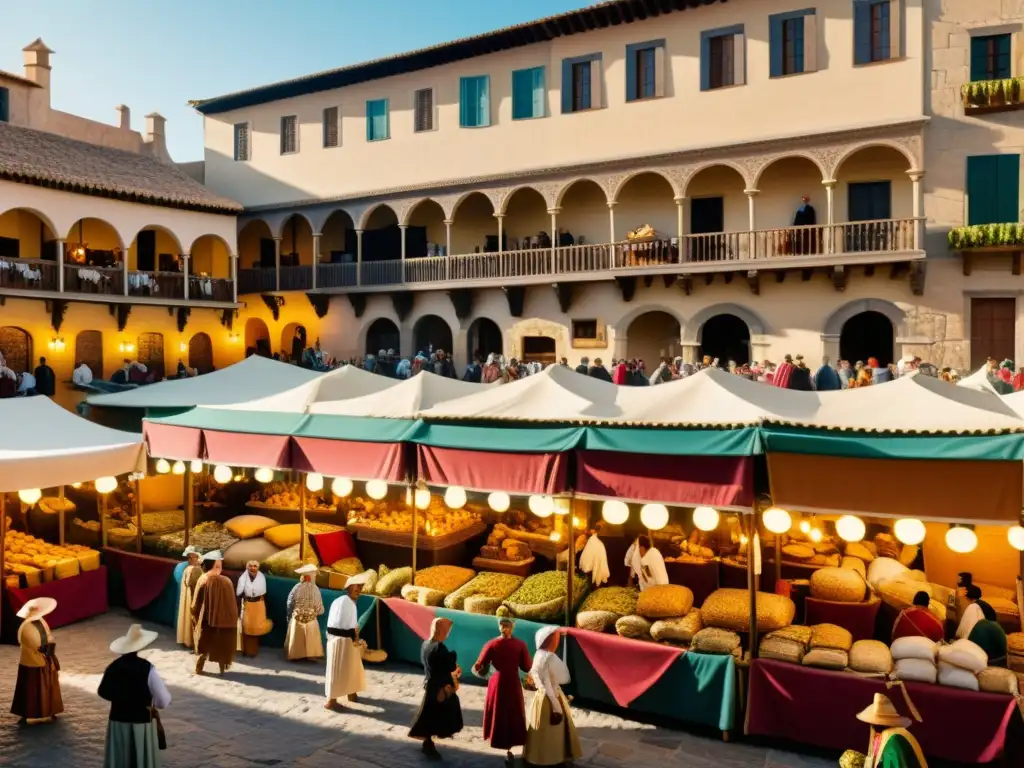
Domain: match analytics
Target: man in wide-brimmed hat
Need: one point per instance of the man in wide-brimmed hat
(215, 614)
(37, 691)
(189, 578)
(890, 745)
(345, 675)
(135, 691)
(305, 605)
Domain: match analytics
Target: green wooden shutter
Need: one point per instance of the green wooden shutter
(982, 185)
(466, 92)
(540, 93)
(1008, 188)
(483, 101)
(979, 59)
(861, 32)
(5, 105)
(777, 53)
(522, 94)
(1004, 67)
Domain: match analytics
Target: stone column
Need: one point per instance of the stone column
(501, 237)
(690, 350)
(830, 212)
(752, 222)
(277, 263)
(402, 228)
(554, 238)
(60, 265)
(613, 256)
(124, 269)
(359, 257)
(184, 269)
(680, 218)
(316, 256)
(234, 277)
(916, 177)
(447, 248)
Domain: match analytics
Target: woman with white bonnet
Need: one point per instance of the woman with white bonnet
(551, 737)
(37, 690)
(135, 691)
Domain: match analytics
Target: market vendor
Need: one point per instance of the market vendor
(252, 592)
(189, 578)
(646, 564)
(918, 621)
(890, 744)
(345, 675)
(215, 614)
(304, 606)
(976, 610)
(37, 690)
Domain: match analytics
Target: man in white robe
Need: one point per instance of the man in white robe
(646, 563)
(345, 675)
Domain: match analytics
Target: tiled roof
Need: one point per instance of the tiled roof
(599, 16)
(45, 159)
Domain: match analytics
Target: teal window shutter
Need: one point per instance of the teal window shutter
(474, 102)
(1003, 68)
(540, 93)
(567, 81)
(795, 40)
(631, 69)
(775, 42)
(5, 105)
(861, 32)
(483, 112)
(377, 120)
(528, 93)
(993, 189)
(466, 92)
(705, 62)
(1008, 186)
(979, 58)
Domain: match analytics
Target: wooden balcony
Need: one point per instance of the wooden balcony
(863, 242)
(35, 278)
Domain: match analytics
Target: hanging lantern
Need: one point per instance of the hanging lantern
(421, 498)
(909, 530)
(815, 535)
(455, 497)
(850, 528)
(264, 475)
(163, 466)
(1016, 537)
(705, 518)
(542, 506)
(76, 486)
(961, 540)
(579, 523)
(30, 496)
(376, 489)
(562, 506)
(105, 485)
(178, 468)
(805, 527)
(555, 536)
(615, 512)
(654, 516)
(342, 487)
(238, 478)
(777, 520)
(314, 482)
(222, 474)
(499, 501)
(196, 466)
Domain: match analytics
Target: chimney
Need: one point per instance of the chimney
(37, 63)
(125, 117)
(155, 137)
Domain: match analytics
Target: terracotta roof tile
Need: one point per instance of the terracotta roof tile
(45, 159)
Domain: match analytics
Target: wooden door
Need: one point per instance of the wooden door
(16, 346)
(992, 330)
(151, 353)
(89, 350)
(200, 353)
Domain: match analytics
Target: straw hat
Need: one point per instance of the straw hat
(356, 581)
(304, 569)
(37, 608)
(136, 639)
(882, 713)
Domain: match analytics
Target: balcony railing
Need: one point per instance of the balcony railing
(28, 274)
(766, 248)
(202, 288)
(108, 281)
(162, 285)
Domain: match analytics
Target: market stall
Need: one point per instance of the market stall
(50, 451)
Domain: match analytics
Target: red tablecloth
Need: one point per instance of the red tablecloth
(819, 707)
(79, 597)
(627, 667)
(415, 616)
(144, 576)
(858, 618)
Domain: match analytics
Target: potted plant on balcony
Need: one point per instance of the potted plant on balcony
(1008, 235)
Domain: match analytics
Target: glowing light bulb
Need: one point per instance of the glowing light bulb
(909, 530)
(541, 506)
(615, 512)
(264, 475)
(961, 540)
(196, 466)
(222, 474)
(105, 485)
(805, 527)
(178, 468)
(777, 520)
(30, 496)
(421, 498)
(654, 516)
(1016, 537)
(850, 528)
(376, 489)
(499, 501)
(705, 518)
(163, 466)
(455, 497)
(815, 535)
(314, 482)
(342, 487)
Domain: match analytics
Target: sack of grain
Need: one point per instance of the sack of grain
(839, 585)
(666, 601)
(636, 627)
(390, 584)
(957, 677)
(914, 648)
(485, 606)
(715, 640)
(542, 597)
(887, 545)
(996, 680)
(917, 670)
(443, 578)
(831, 636)
(617, 600)
(1015, 643)
(852, 759)
(854, 564)
(730, 609)
(422, 595)
(870, 657)
(826, 658)
(909, 554)
(797, 552)
(781, 649)
(797, 633)
(883, 569)
(499, 585)
(596, 621)
(899, 593)
(859, 550)
(678, 630)
(965, 655)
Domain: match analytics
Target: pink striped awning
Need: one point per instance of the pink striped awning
(169, 442)
(348, 458)
(546, 473)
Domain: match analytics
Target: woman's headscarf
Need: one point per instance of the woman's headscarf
(436, 625)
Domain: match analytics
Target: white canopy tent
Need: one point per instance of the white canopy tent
(340, 384)
(402, 400)
(978, 381)
(252, 378)
(46, 446)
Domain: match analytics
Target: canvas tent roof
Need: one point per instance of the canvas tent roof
(46, 446)
(340, 384)
(401, 400)
(252, 378)
(978, 381)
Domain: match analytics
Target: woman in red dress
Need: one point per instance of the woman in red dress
(504, 710)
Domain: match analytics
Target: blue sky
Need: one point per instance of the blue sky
(158, 54)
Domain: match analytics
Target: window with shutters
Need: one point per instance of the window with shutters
(581, 83)
(5, 105)
(792, 46)
(792, 42)
(528, 93)
(332, 127)
(645, 64)
(873, 31)
(423, 105)
(289, 134)
(475, 102)
(580, 86)
(241, 142)
(377, 127)
(993, 189)
(721, 61)
(991, 58)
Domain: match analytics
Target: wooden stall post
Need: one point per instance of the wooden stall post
(302, 519)
(752, 581)
(138, 516)
(190, 509)
(60, 519)
(778, 557)
(571, 565)
(415, 534)
(3, 546)
(103, 519)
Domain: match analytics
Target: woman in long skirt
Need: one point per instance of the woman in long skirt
(504, 710)
(551, 737)
(440, 714)
(37, 690)
(189, 578)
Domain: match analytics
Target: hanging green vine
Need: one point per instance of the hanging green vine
(986, 236)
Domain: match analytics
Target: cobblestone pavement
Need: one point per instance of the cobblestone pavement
(269, 712)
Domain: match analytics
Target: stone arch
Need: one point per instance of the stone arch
(35, 212)
(364, 220)
(215, 238)
(200, 353)
(633, 174)
(569, 185)
(319, 218)
(622, 326)
(835, 322)
(788, 156)
(257, 337)
(432, 331)
(164, 230)
(284, 222)
(381, 332)
(502, 207)
(698, 169)
(652, 335)
(850, 151)
(484, 337)
(288, 341)
(489, 194)
(16, 345)
(691, 329)
(410, 209)
(86, 230)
